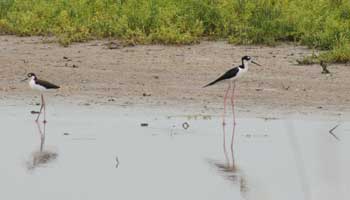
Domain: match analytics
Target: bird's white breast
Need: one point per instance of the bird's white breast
(36, 86)
(241, 72)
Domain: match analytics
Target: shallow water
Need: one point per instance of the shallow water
(275, 159)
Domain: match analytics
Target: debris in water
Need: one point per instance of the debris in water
(331, 131)
(144, 124)
(117, 160)
(185, 125)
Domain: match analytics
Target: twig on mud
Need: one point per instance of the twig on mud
(331, 132)
(324, 66)
(24, 60)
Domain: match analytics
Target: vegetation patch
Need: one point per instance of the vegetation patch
(319, 24)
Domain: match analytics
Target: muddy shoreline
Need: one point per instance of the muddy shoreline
(172, 76)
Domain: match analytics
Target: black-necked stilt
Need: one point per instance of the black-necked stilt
(42, 86)
(231, 76)
(235, 72)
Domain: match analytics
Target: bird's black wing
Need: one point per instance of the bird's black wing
(46, 84)
(227, 75)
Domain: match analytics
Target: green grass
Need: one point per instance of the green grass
(319, 24)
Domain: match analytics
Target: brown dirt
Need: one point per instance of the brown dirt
(173, 75)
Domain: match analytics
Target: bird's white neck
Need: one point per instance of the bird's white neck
(32, 82)
(245, 64)
(32, 79)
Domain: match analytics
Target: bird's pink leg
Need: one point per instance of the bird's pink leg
(233, 103)
(225, 97)
(42, 141)
(42, 136)
(44, 104)
(41, 107)
(39, 129)
(224, 145)
(223, 125)
(234, 121)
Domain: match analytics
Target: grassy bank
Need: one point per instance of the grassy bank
(319, 24)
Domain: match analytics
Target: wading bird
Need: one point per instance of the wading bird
(231, 76)
(42, 86)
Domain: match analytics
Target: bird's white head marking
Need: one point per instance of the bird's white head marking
(31, 76)
(247, 59)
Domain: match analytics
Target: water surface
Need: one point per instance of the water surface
(275, 159)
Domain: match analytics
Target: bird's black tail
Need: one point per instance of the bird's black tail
(227, 75)
(211, 83)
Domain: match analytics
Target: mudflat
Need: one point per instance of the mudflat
(106, 72)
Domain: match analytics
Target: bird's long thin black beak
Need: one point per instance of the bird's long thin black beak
(256, 63)
(24, 79)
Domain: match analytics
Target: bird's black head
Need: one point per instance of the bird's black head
(248, 59)
(31, 75)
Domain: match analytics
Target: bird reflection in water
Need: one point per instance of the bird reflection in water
(234, 175)
(41, 157)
